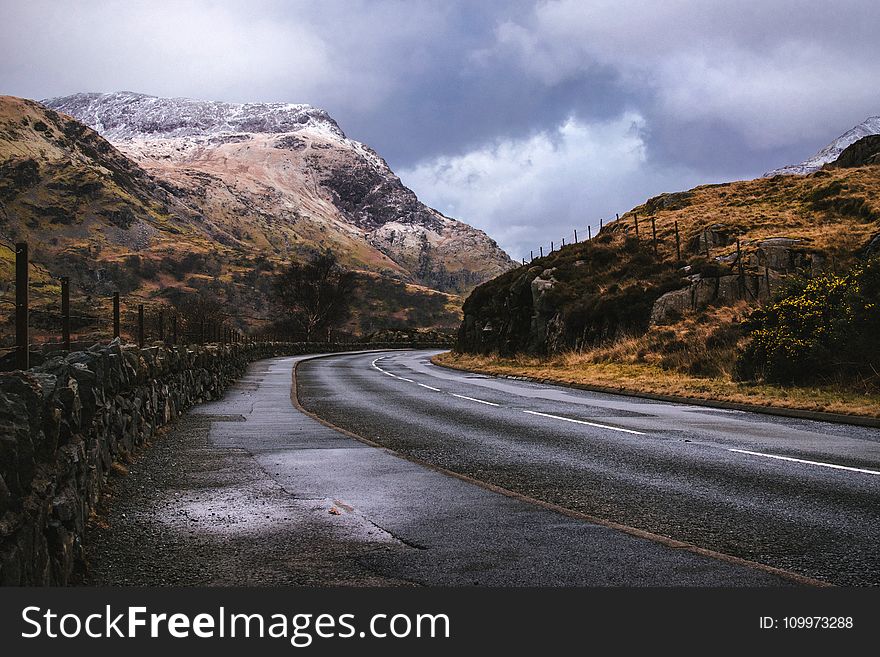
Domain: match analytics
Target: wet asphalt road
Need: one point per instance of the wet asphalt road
(723, 480)
(247, 490)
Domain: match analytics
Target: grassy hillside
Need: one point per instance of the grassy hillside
(615, 301)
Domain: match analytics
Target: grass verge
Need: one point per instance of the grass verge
(647, 379)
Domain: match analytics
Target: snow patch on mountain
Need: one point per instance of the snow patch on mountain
(126, 115)
(870, 126)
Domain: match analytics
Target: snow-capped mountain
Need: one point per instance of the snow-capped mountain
(126, 115)
(870, 126)
(285, 176)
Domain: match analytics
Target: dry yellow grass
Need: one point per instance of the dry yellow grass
(773, 207)
(648, 378)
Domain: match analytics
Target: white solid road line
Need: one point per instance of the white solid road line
(591, 424)
(429, 387)
(474, 399)
(794, 460)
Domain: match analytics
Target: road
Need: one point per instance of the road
(249, 490)
(798, 495)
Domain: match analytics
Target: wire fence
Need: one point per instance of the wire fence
(576, 236)
(71, 321)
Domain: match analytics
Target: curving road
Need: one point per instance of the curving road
(798, 495)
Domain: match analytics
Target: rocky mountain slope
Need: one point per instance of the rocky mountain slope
(739, 244)
(870, 126)
(186, 207)
(282, 178)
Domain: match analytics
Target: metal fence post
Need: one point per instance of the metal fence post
(589, 233)
(636, 219)
(162, 325)
(541, 250)
(22, 355)
(174, 329)
(65, 312)
(140, 324)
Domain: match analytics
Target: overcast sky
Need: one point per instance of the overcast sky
(523, 118)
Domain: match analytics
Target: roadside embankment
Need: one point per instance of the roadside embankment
(815, 403)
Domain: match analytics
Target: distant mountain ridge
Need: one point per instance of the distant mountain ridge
(128, 115)
(286, 177)
(870, 126)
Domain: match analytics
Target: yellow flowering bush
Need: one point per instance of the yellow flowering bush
(828, 328)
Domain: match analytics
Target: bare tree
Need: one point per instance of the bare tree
(316, 293)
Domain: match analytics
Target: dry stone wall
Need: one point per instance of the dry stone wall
(64, 424)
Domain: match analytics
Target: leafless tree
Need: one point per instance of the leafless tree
(316, 293)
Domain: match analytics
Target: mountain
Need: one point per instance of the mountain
(283, 178)
(870, 126)
(193, 201)
(864, 152)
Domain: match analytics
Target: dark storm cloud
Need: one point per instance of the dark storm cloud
(524, 118)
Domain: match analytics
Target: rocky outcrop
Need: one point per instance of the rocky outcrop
(764, 263)
(864, 152)
(65, 423)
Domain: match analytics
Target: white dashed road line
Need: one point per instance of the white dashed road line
(590, 424)
(794, 460)
(631, 431)
(474, 399)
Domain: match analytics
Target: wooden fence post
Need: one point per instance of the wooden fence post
(589, 233)
(116, 314)
(162, 325)
(174, 328)
(654, 234)
(636, 218)
(677, 244)
(22, 353)
(140, 325)
(65, 312)
(575, 235)
(541, 249)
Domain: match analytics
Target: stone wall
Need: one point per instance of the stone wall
(63, 425)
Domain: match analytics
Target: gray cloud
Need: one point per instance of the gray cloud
(452, 92)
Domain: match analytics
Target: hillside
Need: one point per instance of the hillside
(615, 290)
(165, 215)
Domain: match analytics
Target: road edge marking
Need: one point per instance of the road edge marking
(803, 580)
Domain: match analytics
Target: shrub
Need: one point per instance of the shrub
(828, 329)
